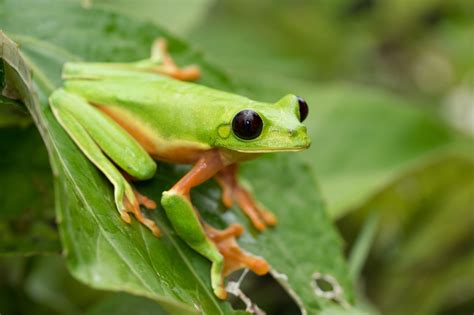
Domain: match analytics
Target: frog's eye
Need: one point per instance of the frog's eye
(303, 108)
(247, 124)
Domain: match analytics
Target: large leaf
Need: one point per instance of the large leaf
(108, 254)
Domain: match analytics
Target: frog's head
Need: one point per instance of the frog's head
(263, 127)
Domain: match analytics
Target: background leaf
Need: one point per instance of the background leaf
(176, 16)
(44, 284)
(426, 227)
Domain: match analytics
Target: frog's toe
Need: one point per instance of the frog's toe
(234, 257)
(267, 216)
(145, 201)
(220, 292)
(132, 205)
(166, 65)
(260, 217)
(125, 216)
(217, 276)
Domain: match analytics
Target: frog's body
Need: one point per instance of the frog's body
(132, 116)
(194, 112)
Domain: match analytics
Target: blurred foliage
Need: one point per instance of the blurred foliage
(27, 223)
(422, 257)
(43, 284)
(391, 90)
(417, 47)
(181, 16)
(12, 114)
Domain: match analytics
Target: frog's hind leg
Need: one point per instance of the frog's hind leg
(218, 246)
(164, 63)
(233, 190)
(82, 122)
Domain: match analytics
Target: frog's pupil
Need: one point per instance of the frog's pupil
(247, 124)
(303, 108)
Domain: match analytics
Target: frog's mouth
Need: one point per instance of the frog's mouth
(270, 150)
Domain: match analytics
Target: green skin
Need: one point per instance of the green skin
(171, 120)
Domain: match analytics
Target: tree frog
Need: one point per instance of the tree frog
(125, 116)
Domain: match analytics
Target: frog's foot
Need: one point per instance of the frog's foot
(234, 257)
(159, 54)
(132, 202)
(232, 190)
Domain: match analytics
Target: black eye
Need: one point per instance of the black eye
(247, 124)
(303, 108)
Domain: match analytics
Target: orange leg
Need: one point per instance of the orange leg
(168, 67)
(232, 190)
(218, 246)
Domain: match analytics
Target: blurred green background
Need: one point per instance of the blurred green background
(390, 85)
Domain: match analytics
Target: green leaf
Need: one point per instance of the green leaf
(302, 221)
(106, 253)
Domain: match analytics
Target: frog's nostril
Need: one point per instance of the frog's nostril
(292, 132)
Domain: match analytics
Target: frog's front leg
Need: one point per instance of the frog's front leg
(218, 246)
(101, 138)
(232, 190)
